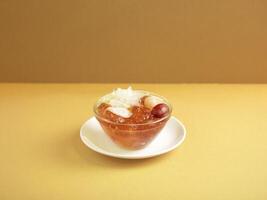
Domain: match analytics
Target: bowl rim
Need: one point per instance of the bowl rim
(96, 104)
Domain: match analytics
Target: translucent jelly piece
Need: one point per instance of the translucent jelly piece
(140, 115)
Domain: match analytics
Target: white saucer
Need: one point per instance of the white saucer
(170, 137)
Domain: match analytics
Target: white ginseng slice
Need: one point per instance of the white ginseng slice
(151, 101)
(120, 111)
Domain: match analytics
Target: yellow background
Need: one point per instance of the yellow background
(133, 41)
(223, 156)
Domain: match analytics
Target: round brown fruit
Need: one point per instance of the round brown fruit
(160, 110)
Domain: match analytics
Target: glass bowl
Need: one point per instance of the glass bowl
(133, 136)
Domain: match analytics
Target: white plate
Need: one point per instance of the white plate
(170, 137)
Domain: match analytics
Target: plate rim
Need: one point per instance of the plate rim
(97, 149)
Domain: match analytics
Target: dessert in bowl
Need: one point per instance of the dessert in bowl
(132, 118)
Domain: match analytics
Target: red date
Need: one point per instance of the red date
(160, 110)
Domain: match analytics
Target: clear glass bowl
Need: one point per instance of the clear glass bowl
(132, 136)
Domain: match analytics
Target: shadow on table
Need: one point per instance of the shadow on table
(87, 156)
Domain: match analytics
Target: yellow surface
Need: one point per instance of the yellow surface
(135, 41)
(223, 157)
